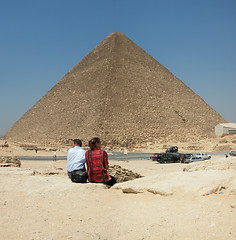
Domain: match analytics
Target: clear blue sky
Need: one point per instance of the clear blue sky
(42, 40)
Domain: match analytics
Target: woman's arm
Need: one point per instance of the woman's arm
(105, 160)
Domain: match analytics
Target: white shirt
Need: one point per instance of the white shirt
(75, 159)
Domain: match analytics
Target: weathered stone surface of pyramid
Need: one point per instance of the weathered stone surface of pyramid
(120, 93)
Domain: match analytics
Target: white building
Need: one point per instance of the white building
(222, 129)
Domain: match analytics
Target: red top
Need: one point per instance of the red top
(96, 160)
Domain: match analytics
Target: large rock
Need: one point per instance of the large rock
(8, 161)
(213, 164)
(122, 174)
(198, 182)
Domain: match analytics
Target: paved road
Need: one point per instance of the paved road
(113, 156)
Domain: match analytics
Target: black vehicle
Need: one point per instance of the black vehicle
(169, 158)
(173, 149)
(232, 153)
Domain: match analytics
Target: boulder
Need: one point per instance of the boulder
(197, 183)
(8, 161)
(121, 174)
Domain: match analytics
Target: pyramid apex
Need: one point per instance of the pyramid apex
(116, 34)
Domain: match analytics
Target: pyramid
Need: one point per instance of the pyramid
(121, 94)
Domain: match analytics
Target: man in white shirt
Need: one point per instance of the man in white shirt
(75, 158)
(54, 156)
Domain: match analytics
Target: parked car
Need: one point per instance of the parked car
(232, 153)
(173, 149)
(184, 156)
(156, 156)
(169, 158)
(193, 159)
(202, 155)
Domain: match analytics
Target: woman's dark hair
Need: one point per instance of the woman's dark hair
(93, 143)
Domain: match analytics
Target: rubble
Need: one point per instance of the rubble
(8, 161)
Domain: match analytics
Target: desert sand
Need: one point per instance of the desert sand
(171, 201)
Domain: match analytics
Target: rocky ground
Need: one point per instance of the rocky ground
(170, 201)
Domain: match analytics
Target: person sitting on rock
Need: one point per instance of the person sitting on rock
(76, 162)
(97, 164)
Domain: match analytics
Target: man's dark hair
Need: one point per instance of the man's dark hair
(77, 142)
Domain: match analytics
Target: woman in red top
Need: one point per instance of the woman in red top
(97, 164)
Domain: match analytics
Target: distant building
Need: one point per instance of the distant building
(222, 129)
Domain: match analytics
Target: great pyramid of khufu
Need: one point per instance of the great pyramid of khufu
(121, 94)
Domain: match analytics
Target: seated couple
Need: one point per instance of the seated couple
(96, 162)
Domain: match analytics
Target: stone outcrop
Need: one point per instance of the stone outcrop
(8, 161)
(228, 163)
(121, 94)
(122, 174)
(197, 182)
(200, 178)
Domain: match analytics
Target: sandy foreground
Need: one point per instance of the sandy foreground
(38, 201)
